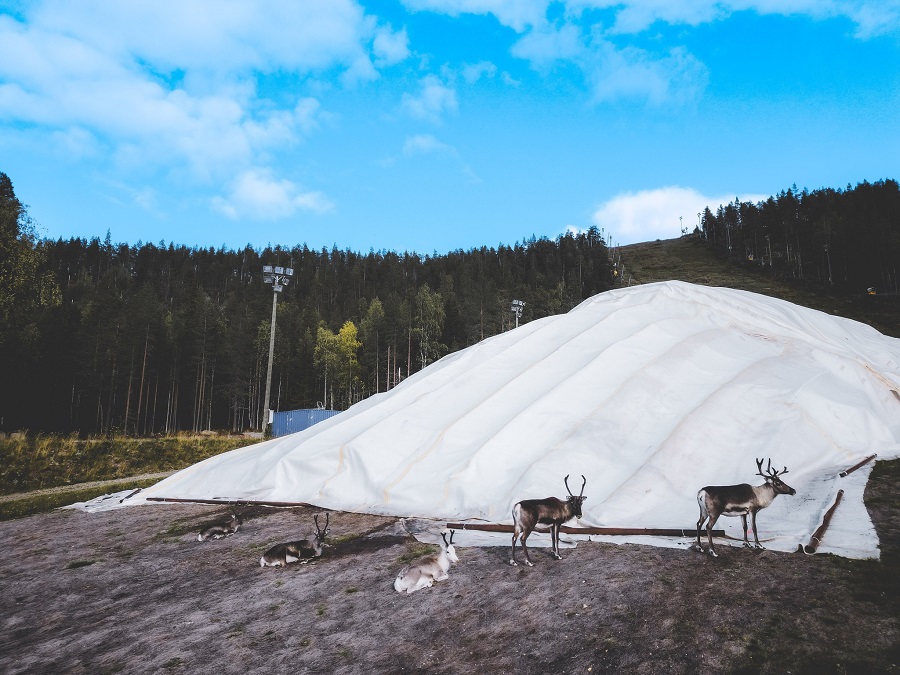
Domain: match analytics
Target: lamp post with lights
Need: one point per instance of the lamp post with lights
(279, 277)
(516, 308)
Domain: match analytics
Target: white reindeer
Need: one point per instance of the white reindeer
(429, 569)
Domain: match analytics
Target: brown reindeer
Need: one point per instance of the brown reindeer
(550, 511)
(222, 529)
(281, 555)
(739, 500)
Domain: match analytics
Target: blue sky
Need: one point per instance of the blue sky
(434, 125)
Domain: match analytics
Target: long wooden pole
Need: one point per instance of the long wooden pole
(844, 474)
(816, 539)
(614, 531)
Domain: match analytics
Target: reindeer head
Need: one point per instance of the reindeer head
(448, 546)
(773, 480)
(576, 502)
(320, 534)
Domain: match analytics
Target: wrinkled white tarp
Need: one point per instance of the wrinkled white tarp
(651, 392)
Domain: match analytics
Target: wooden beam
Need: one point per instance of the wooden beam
(612, 531)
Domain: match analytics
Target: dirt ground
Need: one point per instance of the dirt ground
(133, 591)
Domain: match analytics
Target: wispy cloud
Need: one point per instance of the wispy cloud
(257, 194)
(390, 47)
(517, 14)
(426, 144)
(434, 100)
(172, 86)
(658, 213)
(472, 72)
(872, 17)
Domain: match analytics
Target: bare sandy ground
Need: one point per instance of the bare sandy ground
(133, 591)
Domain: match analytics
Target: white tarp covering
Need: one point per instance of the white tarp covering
(651, 392)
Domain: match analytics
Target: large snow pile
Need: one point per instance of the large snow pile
(650, 392)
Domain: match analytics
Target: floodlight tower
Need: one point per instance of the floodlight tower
(279, 277)
(516, 308)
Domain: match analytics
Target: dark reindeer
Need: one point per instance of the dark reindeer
(221, 530)
(739, 500)
(550, 511)
(280, 555)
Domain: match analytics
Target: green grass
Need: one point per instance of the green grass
(689, 259)
(31, 462)
(415, 551)
(29, 505)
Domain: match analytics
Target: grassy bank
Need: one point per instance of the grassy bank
(689, 259)
(32, 462)
(41, 502)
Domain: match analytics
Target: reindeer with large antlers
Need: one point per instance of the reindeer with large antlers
(293, 551)
(550, 511)
(739, 500)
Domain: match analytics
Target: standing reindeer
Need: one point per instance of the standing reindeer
(739, 500)
(550, 511)
(221, 530)
(292, 551)
(429, 569)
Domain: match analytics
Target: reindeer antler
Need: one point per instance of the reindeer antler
(769, 472)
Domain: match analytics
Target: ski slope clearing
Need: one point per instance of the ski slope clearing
(650, 392)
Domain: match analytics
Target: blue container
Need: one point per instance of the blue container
(292, 421)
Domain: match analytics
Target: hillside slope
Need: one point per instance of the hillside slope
(688, 259)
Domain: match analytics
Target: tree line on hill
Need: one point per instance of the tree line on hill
(844, 240)
(97, 337)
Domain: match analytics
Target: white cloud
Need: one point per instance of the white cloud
(516, 14)
(169, 86)
(390, 47)
(426, 144)
(654, 214)
(433, 101)
(676, 78)
(613, 72)
(872, 17)
(550, 44)
(214, 35)
(472, 72)
(258, 195)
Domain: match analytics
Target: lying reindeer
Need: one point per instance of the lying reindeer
(296, 551)
(221, 530)
(739, 500)
(550, 511)
(429, 569)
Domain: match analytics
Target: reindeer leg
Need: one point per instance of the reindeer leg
(554, 536)
(709, 529)
(700, 522)
(512, 555)
(744, 523)
(755, 535)
(525, 548)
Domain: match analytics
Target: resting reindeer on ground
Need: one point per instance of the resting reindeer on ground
(739, 500)
(550, 511)
(429, 569)
(221, 530)
(296, 551)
